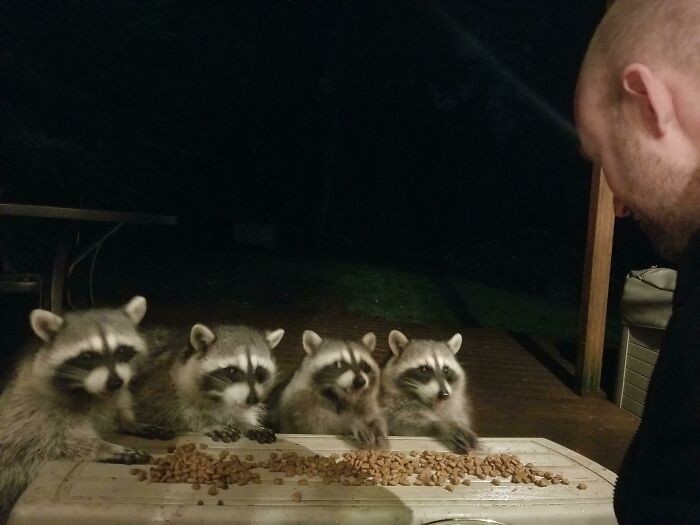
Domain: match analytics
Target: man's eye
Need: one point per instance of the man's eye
(124, 353)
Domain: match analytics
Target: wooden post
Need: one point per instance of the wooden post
(596, 278)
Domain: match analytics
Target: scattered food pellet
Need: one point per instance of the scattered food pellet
(172, 448)
(134, 471)
(220, 503)
(200, 502)
(142, 475)
(564, 481)
(212, 491)
(223, 454)
(203, 446)
(277, 481)
(582, 486)
(496, 481)
(196, 486)
(303, 482)
(296, 496)
(249, 457)
(466, 482)
(451, 488)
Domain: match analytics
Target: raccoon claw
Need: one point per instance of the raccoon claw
(225, 435)
(463, 440)
(261, 435)
(128, 456)
(154, 432)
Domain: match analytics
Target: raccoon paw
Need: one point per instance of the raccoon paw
(379, 430)
(152, 432)
(365, 435)
(261, 435)
(226, 434)
(462, 439)
(128, 456)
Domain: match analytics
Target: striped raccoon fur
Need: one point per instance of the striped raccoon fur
(334, 391)
(217, 385)
(424, 391)
(70, 393)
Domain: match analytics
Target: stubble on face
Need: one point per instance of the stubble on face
(664, 198)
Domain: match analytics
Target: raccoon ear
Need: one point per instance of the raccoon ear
(136, 309)
(45, 324)
(201, 337)
(311, 341)
(370, 341)
(274, 337)
(397, 342)
(455, 343)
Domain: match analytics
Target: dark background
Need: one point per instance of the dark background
(430, 137)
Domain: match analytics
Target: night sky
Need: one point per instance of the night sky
(425, 133)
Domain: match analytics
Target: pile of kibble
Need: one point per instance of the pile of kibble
(187, 464)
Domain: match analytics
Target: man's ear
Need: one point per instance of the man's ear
(649, 97)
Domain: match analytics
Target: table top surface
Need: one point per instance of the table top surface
(82, 214)
(66, 491)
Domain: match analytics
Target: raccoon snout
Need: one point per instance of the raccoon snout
(358, 382)
(443, 394)
(114, 383)
(252, 398)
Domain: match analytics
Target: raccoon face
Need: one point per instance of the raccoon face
(341, 369)
(236, 365)
(426, 370)
(93, 351)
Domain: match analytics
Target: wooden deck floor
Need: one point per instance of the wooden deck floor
(515, 392)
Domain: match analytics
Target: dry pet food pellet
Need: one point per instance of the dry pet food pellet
(582, 486)
(451, 488)
(220, 503)
(277, 481)
(306, 482)
(466, 482)
(296, 496)
(200, 502)
(496, 481)
(212, 491)
(202, 446)
(249, 457)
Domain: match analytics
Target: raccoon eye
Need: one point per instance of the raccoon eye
(234, 373)
(339, 364)
(425, 370)
(87, 359)
(124, 353)
(261, 374)
(446, 370)
(364, 366)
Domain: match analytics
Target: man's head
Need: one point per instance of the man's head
(638, 114)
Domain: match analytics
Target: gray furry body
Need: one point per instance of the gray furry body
(70, 393)
(424, 391)
(334, 391)
(217, 385)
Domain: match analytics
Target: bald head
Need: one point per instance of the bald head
(658, 33)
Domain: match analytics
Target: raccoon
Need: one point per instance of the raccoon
(334, 391)
(423, 391)
(217, 385)
(70, 393)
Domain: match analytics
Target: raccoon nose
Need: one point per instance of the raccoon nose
(443, 394)
(114, 382)
(358, 382)
(252, 398)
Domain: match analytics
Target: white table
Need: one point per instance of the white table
(90, 493)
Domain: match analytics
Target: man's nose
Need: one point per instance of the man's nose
(621, 209)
